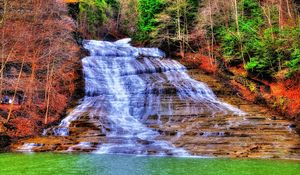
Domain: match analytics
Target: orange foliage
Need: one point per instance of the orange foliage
(39, 33)
(246, 93)
(289, 93)
(71, 1)
(238, 70)
(23, 127)
(203, 62)
(283, 95)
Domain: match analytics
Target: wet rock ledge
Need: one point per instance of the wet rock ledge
(261, 133)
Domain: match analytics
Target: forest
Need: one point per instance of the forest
(262, 35)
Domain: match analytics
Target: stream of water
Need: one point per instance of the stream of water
(125, 85)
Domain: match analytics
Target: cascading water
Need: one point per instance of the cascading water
(125, 85)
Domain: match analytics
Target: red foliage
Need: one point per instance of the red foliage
(203, 62)
(289, 92)
(38, 33)
(246, 93)
(284, 94)
(23, 127)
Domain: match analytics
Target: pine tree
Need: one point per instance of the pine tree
(147, 13)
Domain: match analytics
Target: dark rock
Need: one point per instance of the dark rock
(260, 100)
(273, 118)
(5, 141)
(292, 126)
(145, 142)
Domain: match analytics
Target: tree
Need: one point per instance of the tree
(44, 55)
(146, 19)
(127, 17)
(261, 36)
(174, 24)
(92, 16)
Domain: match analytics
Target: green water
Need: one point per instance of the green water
(56, 164)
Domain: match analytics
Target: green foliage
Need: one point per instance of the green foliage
(114, 4)
(279, 50)
(94, 10)
(239, 42)
(162, 21)
(294, 63)
(261, 59)
(146, 22)
(174, 23)
(264, 50)
(94, 13)
(255, 39)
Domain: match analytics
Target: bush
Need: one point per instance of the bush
(294, 63)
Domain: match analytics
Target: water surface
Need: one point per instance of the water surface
(93, 164)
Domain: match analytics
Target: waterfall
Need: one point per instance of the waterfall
(125, 85)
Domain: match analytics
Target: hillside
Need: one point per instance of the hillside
(40, 67)
(253, 45)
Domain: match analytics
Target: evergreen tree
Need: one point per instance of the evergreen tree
(148, 9)
(92, 15)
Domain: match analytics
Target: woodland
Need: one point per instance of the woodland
(39, 63)
(252, 44)
(262, 35)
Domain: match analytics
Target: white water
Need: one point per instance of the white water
(125, 85)
(28, 147)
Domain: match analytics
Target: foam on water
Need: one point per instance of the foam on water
(28, 147)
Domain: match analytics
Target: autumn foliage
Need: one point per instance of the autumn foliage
(40, 61)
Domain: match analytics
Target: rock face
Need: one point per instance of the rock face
(149, 105)
(259, 134)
